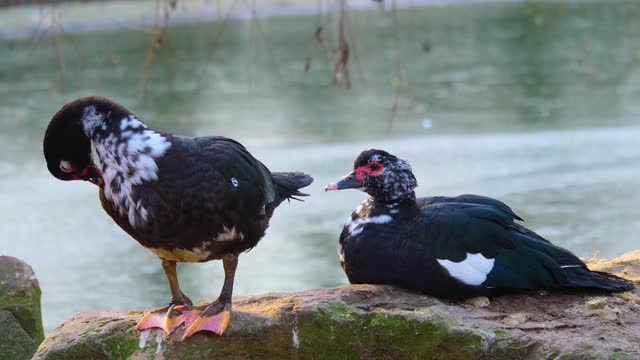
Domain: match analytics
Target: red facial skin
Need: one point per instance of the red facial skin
(373, 168)
(83, 175)
(90, 174)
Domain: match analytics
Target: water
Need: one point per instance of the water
(535, 104)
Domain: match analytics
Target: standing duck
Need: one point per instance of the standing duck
(450, 247)
(185, 199)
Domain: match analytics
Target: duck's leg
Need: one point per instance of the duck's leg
(167, 318)
(214, 317)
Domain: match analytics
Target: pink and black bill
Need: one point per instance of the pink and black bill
(348, 182)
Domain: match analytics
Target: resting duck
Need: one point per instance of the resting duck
(450, 247)
(185, 199)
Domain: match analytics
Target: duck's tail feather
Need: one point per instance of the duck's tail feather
(581, 277)
(288, 185)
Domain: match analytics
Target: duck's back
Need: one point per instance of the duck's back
(443, 252)
(211, 196)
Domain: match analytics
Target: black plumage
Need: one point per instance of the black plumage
(186, 199)
(450, 247)
(194, 199)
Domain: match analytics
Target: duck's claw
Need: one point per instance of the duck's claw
(167, 318)
(214, 318)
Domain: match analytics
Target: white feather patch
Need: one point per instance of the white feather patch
(94, 156)
(357, 226)
(131, 162)
(91, 118)
(473, 270)
(131, 122)
(229, 235)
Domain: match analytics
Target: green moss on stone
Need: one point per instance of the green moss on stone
(620, 356)
(336, 332)
(20, 295)
(15, 343)
(120, 345)
(512, 348)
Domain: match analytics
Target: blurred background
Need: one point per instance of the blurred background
(534, 103)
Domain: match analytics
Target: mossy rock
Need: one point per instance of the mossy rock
(375, 322)
(15, 343)
(280, 329)
(20, 295)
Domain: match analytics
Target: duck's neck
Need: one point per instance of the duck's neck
(126, 152)
(373, 206)
(122, 143)
(405, 200)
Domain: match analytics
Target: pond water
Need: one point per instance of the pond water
(535, 104)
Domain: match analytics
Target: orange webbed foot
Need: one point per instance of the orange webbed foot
(167, 318)
(214, 318)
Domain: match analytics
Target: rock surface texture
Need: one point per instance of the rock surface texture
(20, 318)
(382, 322)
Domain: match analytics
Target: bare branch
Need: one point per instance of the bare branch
(256, 20)
(341, 66)
(158, 37)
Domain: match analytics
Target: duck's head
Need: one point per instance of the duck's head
(67, 141)
(380, 174)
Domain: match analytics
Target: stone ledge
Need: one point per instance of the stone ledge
(366, 321)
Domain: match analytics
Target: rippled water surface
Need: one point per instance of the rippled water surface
(536, 105)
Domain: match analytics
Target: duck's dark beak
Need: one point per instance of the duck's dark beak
(348, 182)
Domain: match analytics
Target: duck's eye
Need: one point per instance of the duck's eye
(65, 166)
(374, 167)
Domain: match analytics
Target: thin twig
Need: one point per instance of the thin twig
(158, 37)
(400, 81)
(213, 45)
(308, 56)
(55, 42)
(169, 63)
(398, 66)
(341, 66)
(39, 34)
(250, 68)
(356, 58)
(256, 19)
